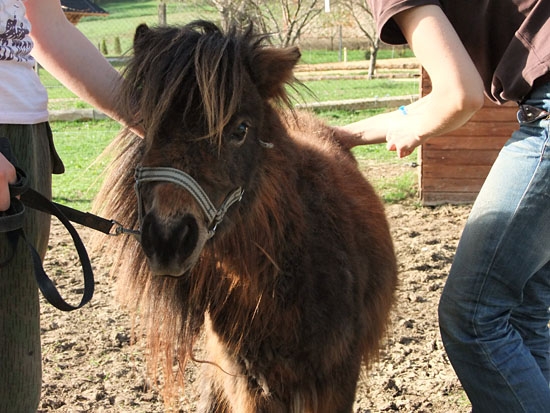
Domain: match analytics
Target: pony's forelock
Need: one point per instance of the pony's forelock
(198, 58)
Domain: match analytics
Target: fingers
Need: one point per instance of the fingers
(401, 149)
(7, 175)
(404, 152)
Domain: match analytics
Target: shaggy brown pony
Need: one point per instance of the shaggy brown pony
(293, 285)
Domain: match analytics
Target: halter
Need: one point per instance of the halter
(164, 174)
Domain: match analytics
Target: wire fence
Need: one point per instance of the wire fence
(113, 34)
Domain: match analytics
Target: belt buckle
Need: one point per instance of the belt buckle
(529, 114)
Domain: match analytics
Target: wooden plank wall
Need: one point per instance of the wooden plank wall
(453, 167)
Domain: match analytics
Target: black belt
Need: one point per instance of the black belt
(11, 222)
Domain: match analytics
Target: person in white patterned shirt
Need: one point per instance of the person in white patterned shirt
(29, 30)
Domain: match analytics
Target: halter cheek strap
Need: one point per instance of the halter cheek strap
(164, 174)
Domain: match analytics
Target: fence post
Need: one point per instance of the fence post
(340, 42)
(162, 13)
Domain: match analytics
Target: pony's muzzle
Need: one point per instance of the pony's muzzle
(172, 244)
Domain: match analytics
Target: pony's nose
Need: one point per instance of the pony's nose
(168, 243)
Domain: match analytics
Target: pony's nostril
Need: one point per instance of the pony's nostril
(148, 231)
(169, 242)
(186, 234)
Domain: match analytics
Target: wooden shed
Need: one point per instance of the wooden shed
(453, 167)
(76, 9)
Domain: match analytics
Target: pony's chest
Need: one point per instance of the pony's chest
(247, 358)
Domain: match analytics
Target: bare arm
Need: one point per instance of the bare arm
(457, 88)
(69, 56)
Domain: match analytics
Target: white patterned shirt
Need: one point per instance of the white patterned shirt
(23, 99)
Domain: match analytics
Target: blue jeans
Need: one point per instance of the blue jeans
(494, 310)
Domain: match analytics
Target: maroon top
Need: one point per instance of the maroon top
(508, 40)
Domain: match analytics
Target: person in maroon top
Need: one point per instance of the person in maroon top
(494, 309)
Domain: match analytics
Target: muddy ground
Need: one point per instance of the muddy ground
(90, 363)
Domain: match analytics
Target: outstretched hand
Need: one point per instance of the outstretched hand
(401, 138)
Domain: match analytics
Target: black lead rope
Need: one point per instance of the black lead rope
(45, 284)
(11, 222)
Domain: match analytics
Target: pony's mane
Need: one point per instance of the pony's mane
(200, 59)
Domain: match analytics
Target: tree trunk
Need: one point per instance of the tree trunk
(372, 60)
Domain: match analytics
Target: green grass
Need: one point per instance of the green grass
(343, 117)
(55, 88)
(79, 144)
(310, 56)
(124, 17)
(324, 90)
(60, 98)
(397, 189)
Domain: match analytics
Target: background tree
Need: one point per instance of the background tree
(361, 13)
(284, 19)
(287, 19)
(232, 12)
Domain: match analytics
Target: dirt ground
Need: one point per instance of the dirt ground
(90, 363)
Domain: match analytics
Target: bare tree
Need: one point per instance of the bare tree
(361, 13)
(287, 19)
(232, 12)
(284, 19)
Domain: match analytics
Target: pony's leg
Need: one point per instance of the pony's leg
(335, 399)
(212, 399)
(337, 393)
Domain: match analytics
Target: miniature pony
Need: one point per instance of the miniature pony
(257, 227)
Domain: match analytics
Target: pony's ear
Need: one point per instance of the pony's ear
(272, 69)
(141, 31)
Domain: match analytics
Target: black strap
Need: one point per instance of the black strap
(11, 222)
(44, 282)
(35, 200)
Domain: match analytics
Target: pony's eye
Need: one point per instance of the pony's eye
(239, 134)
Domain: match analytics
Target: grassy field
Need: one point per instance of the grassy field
(119, 26)
(79, 144)
(341, 89)
(125, 16)
(315, 91)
